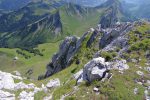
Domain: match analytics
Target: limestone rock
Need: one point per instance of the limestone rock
(135, 90)
(6, 95)
(120, 65)
(95, 69)
(98, 69)
(53, 83)
(78, 74)
(17, 73)
(36, 89)
(6, 81)
(140, 73)
(21, 85)
(147, 97)
(26, 96)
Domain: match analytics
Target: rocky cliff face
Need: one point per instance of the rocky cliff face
(111, 34)
(114, 13)
(68, 48)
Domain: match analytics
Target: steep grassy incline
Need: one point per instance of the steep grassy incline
(77, 20)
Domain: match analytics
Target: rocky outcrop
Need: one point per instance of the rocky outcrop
(95, 69)
(53, 83)
(67, 50)
(22, 85)
(62, 59)
(115, 37)
(92, 38)
(98, 69)
(7, 80)
(26, 96)
(6, 95)
(8, 87)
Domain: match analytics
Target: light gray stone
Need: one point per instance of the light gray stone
(135, 90)
(53, 83)
(26, 95)
(20, 85)
(6, 80)
(6, 95)
(140, 73)
(120, 65)
(94, 69)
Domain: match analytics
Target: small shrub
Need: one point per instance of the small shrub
(108, 56)
(41, 77)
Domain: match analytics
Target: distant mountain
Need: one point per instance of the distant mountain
(33, 24)
(113, 13)
(44, 21)
(10, 5)
(88, 3)
(137, 8)
(49, 20)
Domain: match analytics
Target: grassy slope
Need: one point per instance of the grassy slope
(38, 63)
(77, 25)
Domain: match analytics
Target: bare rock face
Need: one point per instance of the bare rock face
(66, 52)
(6, 95)
(92, 38)
(6, 81)
(115, 36)
(61, 59)
(26, 96)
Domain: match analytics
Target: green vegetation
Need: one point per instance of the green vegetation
(141, 45)
(36, 62)
(39, 95)
(78, 23)
(108, 55)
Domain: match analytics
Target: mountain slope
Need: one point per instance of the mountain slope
(87, 3)
(114, 13)
(74, 54)
(49, 21)
(41, 22)
(10, 5)
(77, 19)
(137, 8)
(36, 23)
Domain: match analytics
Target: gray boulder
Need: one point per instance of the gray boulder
(98, 69)
(95, 69)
